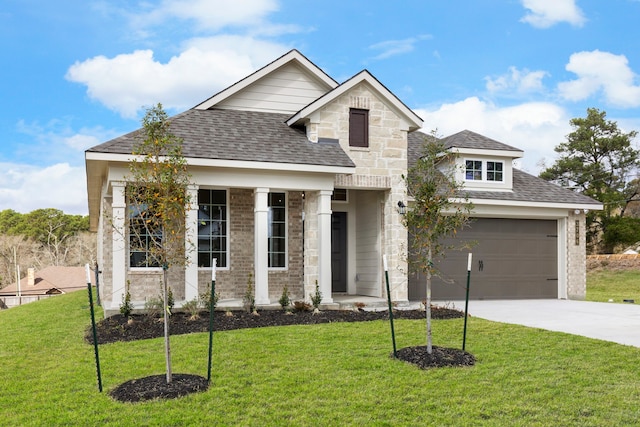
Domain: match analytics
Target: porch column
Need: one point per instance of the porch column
(118, 253)
(261, 234)
(191, 246)
(324, 245)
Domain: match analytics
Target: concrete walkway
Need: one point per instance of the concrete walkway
(619, 323)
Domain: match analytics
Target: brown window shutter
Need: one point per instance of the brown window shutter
(358, 127)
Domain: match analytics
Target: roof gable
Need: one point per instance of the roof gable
(412, 120)
(283, 86)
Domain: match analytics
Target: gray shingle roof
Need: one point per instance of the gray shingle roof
(469, 139)
(526, 187)
(239, 135)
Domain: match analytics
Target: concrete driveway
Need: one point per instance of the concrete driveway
(619, 323)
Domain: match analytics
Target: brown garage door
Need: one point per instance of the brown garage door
(513, 258)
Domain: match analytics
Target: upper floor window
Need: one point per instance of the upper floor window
(277, 241)
(473, 170)
(478, 170)
(358, 127)
(494, 171)
(213, 227)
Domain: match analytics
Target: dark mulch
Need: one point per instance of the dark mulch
(440, 357)
(119, 328)
(156, 387)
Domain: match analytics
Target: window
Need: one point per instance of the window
(277, 241)
(473, 170)
(358, 127)
(494, 171)
(212, 227)
(478, 170)
(145, 233)
(339, 195)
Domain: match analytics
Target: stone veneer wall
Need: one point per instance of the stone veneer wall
(576, 262)
(379, 166)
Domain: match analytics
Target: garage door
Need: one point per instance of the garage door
(513, 258)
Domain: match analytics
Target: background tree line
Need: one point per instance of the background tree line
(42, 238)
(601, 161)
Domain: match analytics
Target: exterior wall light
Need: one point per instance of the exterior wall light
(402, 208)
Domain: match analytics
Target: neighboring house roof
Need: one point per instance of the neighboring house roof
(526, 187)
(239, 135)
(51, 280)
(412, 120)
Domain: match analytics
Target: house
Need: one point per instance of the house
(298, 180)
(50, 281)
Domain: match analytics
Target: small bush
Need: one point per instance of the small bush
(249, 299)
(301, 306)
(316, 298)
(192, 307)
(205, 299)
(126, 307)
(153, 307)
(285, 300)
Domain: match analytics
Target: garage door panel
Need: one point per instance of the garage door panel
(512, 259)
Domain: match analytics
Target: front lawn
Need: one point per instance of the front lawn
(319, 375)
(616, 285)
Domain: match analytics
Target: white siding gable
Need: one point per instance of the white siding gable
(285, 90)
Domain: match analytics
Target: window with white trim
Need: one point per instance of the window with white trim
(145, 233)
(479, 170)
(213, 226)
(277, 241)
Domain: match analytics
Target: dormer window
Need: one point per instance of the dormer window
(479, 170)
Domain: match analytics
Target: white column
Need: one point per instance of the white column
(261, 234)
(118, 253)
(324, 245)
(191, 246)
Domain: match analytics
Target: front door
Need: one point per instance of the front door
(339, 252)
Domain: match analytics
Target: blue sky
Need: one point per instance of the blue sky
(80, 72)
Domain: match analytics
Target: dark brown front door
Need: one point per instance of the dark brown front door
(339, 252)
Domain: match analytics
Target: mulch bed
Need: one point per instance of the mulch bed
(119, 328)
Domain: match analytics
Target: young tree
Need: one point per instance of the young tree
(438, 211)
(157, 200)
(597, 160)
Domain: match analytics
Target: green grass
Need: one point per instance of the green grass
(608, 285)
(324, 375)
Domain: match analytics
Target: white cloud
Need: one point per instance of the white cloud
(128, 82)
(391, 48)
(601, 72)
(546, 13)
(517, 82)
(25, 188)
(207, 14)
(534, 127)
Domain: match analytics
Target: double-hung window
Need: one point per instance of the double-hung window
(277, 240)
(213, 226)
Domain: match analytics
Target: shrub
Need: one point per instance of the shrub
(316, 298)
(192, 307)
(285, 300)
(126, 307)
(249, 299)
(153, 307)
(205, 299)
